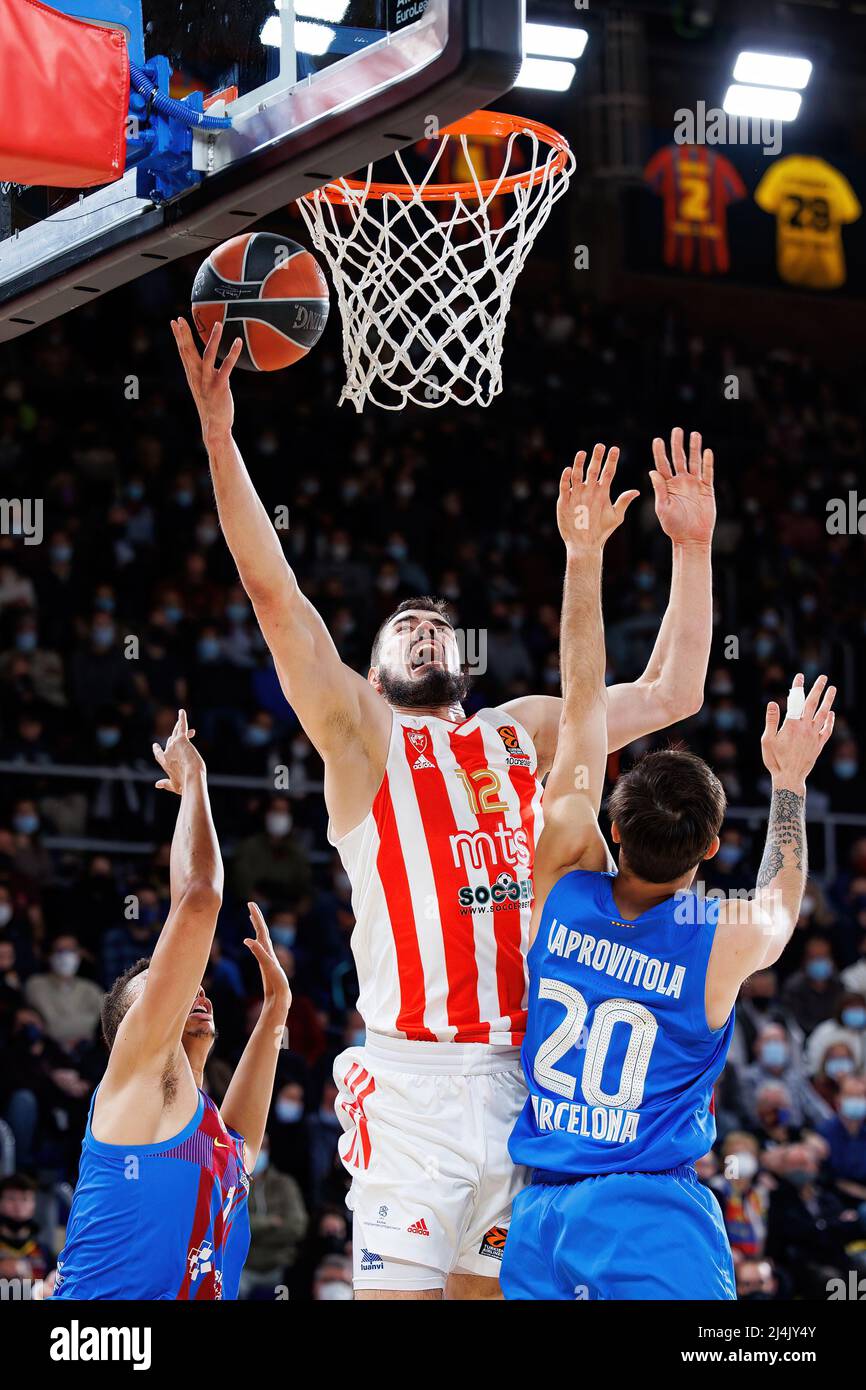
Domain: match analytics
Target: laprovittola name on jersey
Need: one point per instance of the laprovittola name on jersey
(618, 961)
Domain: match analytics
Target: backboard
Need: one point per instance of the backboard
(323, 87)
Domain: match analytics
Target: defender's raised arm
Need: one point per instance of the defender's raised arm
(587, 518)
(672, 686)
(154, 1023)
(753, 935)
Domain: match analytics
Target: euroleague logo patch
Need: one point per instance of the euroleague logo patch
(493, 1243)
(508, 734)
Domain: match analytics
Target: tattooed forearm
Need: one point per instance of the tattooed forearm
(786, 831)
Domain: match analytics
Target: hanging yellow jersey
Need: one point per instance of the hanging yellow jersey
(811, 200)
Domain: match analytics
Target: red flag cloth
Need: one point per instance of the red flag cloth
(64, 98)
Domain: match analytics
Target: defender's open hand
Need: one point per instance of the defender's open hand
(585, 512)
(685, 496)
(791, 752)
(275, 986)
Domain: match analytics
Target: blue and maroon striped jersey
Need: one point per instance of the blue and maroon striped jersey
(155, 1221)
(696, 186)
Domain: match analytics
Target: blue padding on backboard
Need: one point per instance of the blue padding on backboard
(119, 14)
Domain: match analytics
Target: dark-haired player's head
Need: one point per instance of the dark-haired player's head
(666, 813)
(416, 661)
(199, 1032)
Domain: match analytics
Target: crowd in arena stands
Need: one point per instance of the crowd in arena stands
(130, 607)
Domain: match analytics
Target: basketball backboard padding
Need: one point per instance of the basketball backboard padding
(461, 55)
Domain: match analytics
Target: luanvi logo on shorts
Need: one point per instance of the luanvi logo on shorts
(77, 1343)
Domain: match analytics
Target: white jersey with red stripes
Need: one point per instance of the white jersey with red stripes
(441, 874)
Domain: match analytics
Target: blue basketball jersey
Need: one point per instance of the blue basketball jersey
(159, 1221)
(619, 1059)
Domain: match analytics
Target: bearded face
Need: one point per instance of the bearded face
(419, 662)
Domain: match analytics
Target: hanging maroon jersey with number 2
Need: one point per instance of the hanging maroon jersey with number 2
(696, 185)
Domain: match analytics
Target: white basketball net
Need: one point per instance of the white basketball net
(425, 287)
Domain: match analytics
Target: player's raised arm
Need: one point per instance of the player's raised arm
(331, 700)
(587, 518)
(672, 686)
(154, 1023)
(248, 1098)
(752, 935)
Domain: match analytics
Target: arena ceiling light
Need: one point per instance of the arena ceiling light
(554, 40)
(546, 75)
(331, 11)
(772, 70)
(315, 39)
(549, 50)
(768, 103)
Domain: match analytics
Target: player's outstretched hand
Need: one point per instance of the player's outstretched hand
(585, 512)
(683, 485)
(178, 759)
(275, 986)
(791, 752)
(208, 382)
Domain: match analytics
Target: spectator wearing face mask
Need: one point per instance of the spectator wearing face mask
(332, 1281)
(31, 859)
(772, 1123)
(729, 870)
(846, 1137)
(741, 1196)
(837, 1061)
(809, 1227)
(278, 1224)
(69, 1005)
(43, 667)
(98, 672)
(813, 993)
(270, 863)
(844, 784)
(756, 1006)
(123, 945)
(847, 1026)
(290, 1140)
(19, 1231)
(777, 1063)
(43, 1098)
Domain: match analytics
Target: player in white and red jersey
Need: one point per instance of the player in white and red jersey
(435, 817)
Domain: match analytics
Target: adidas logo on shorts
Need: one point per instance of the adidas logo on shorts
(419, 1228)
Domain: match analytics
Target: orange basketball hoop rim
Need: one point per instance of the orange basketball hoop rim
(481, 123)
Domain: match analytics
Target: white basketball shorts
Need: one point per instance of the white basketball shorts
(426, 1129)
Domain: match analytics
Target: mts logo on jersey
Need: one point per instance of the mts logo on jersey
(480, 849)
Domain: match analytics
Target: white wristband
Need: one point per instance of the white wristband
(796, 702)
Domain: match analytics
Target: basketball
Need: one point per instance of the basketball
(267, 290)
